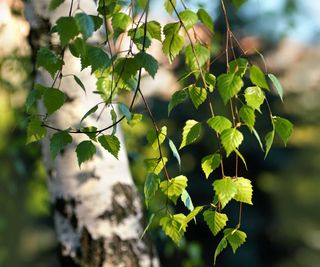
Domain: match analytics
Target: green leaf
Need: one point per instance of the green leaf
(174, 226)
(148, 62)
(241, 157)
(171, 28)
(89, 112)
(187, 201)
(238, 66)
(221, 246)
(254, 97)
(120, 22)
(140, 37)
(49, 61)
(284, 128)
(153, 139)
(79, 82)
(244, 190)
(154, 29)
(238, 3)
(219, 123)
(225, 189)
(258, 78)
(151, 186)
(85, 151)
(258, 138)
(235, 238)
(197, 94)
(216, 221)
(110, 143)
(155, 165)
(67, 29)
(175, 152)
(177, 98)
(58, 141)
(172, 45)
(229, 85)
(191, 132)
(188, 18)
(277, 85)
(168, 6)
(269, 141)
(34, 95)
(231, 139)
(98, 58)
(201, 56)
(85, 24)
(97, 21)
(148, 226)
(123, 108)
(210, 163)
(210, 81)
(53, 99)
(247, 115)
(193, 213)
(90, 131)
(35, 131)
(206, 19)
(55, 4)
(135, 119)
(174, 187)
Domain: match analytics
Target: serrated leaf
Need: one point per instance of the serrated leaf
(172, 45)
(168, 6)
(210, 81)
(210, 163)
(111, 143)
(98, 59)
(176, 99)
(231, 139)
(188, 18)
(258, 78)
(90, 131)
(124, 110)
(277, 85)
(201, 56)
(221, 246)
(219, 123)
(155, 165)
(53, 99)
(154, 29)
(79, 82)
(67, 29)
(269, 141)
(148, 62)
(283, 128)
(175, 152)
(174, 187)
(155, 141)
(235, 238)
(229, 85)
(120, 22)
(192, 215)
(58, 141)
(191, 132)
(140, 37)
(225, 189)
(49, 61)
(171, 28)
(216, 221)
(89, 112)
(85, 151)
(35, 131)
(197, 95)
(244, 190)
(206, 19)
(174, 226)
(151, 185)
(55, 4)
(238, 66)
(85, 24)
(187, 201)
(254, 97)
(247, 115)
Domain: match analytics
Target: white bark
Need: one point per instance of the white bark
(97, 210)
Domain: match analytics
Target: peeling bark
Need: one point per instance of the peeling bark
(97, 210)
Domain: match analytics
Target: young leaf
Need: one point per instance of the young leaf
(225, 189)
(89, 112)
(67, 29)
(193, 214)
(35, 132)
(151, 185)
(111, 143)
(247, 115)
(135, 119)
(140, 37)
(155, 165)
(172, 45)
(210, 163)
(175, 152)
(191, 132)
(238, 66)
(55, 4)
(85, 24)
(229, 85)
(187, 201)
(174, 187)
(244, 190)
(85, 151)
(219, 123)
(221, 246)
(258, 138)
(58, 141)
(210, 81)
(231, 139)
(216, 221)
(49, 61)
(98, 59)
(201, 56)
(188, 18)
(168, 6)
(177, 98)
(171, 28)
(254, 97)
(147, 227)
(241, 157)
(148, 62)
(277, 85)
(174, 226)
(197, 94)
(206, 19)
(120, 22)
(155, 141)
(235, 238)
(90, 131)
(258, 78)
(283, 128)
(269, 141)
(154, 29)
(53, 99)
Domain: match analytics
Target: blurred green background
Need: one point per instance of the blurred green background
(283, 226)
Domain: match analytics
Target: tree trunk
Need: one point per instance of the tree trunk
(96, 208)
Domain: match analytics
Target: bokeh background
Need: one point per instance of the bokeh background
(283, 226)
